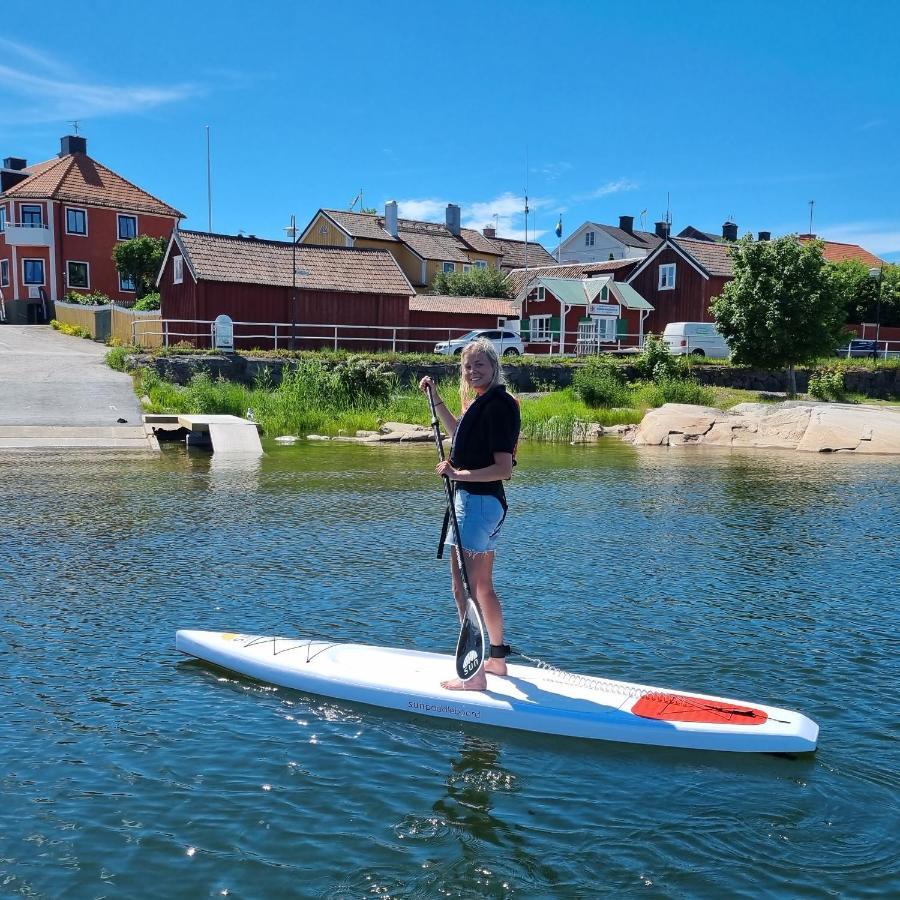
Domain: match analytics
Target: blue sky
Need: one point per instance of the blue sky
(747, 111)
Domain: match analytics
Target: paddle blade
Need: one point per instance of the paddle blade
(470, 646)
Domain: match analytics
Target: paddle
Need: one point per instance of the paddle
(471, 644)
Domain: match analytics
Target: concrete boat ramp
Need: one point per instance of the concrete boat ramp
(57, 393)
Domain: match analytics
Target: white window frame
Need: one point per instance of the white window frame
(43, 280)
(87, 269)
(606, 329)
(39, 207)
(538, 294)
(119, 218)
(589, 238)
(480, 264)
(667, 277)
(177, 269)
(467, 268)
(130, 288)
(448, 267)
(84, 213)
(540, 328)
(2, 219)
(4, 273)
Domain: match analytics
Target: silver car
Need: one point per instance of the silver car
(506, 342)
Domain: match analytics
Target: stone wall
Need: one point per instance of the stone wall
(881, 384)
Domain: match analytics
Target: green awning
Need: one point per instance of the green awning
(628, 296)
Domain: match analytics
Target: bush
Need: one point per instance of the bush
(147, 302)
(672, 390)
(94, 298)
(117, 358)
(656, 362)
(600, 383)
(827, 384)
(72, 330)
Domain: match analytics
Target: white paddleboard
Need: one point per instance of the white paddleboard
(529, 698)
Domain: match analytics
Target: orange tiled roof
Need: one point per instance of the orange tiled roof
(76, 178)
(835, 251)
(223, 257)
(490, 306)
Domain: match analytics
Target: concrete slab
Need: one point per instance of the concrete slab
(49, 380)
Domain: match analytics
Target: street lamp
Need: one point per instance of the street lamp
(291, 231)
(877, 275)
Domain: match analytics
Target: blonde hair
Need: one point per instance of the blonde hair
(481, 345)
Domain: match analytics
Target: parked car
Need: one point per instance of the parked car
(698, 338)
(859, 347)
(506, 343)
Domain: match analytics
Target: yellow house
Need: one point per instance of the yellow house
(422, 249)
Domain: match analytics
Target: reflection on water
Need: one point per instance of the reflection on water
(755, 575)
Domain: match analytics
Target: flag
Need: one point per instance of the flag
(559, 228)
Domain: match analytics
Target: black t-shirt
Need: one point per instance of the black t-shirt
(490, 425)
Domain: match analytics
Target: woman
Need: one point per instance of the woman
(481, 459)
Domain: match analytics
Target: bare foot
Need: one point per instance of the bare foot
(495, 665)
(478, 682)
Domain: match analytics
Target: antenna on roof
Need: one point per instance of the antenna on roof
(357, 199)
(812, 204)
(526, 211)
(208, 186)
(74, 126)
(668, 212)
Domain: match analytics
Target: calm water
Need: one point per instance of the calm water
(128, 771)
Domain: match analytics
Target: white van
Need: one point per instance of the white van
(698, 338)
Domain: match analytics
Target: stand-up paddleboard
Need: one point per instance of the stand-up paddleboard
(530, 699)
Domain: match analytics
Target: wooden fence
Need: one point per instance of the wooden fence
(112, 321)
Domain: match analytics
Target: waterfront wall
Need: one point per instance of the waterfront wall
(883, 384)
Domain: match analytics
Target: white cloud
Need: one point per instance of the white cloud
(37, 88)
(611, 187)
(508, 208)
(877, 237)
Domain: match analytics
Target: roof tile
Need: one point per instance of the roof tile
(490, 306)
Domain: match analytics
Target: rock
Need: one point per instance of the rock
(289, 439)
(792, 425)
(318, 437)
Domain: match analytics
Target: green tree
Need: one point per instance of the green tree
(782, 307)
(139, 259)
(868, 299)
(484, 282)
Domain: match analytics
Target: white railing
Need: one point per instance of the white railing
(284, 335)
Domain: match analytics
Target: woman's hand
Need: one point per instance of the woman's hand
(426, 383)
(445, 468)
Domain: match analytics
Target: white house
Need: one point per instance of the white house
(594, 242)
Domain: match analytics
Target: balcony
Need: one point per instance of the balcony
(23, 234)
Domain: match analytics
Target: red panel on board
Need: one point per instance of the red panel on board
(677, 708)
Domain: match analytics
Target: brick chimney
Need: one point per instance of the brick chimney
(390, 217)
(729, 231)
(765, 236)
(452, 218)
(626, 223)
(489, 231)
(661, 229)
(72, 143)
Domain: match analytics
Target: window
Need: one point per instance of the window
(606, 329)
(4, 273)
(667, 277)
(2, 219)
(126, 283)
(538, 294)
(449, 267)
(540, 328)
(467, 268)
(76, 221)
(589, 239)
(177, 269)
(33, 271)
(127, 227)
(480, 264)
(78, 275)
(32, 215)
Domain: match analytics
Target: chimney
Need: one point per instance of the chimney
(489, 231)
(662, 229)
(72, 143)
(626, 223)
(453, 218)
(765, 236)
(729, 231)
(12, 172)
(390, 217)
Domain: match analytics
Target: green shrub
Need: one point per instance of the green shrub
(94, 298)
(651, 394)
(117, 358)
(147, 303)
(655, 361)
(72, 330)
(600, 382)
(827, 384)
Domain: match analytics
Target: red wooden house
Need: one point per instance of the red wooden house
(59, 222)
(205, 275)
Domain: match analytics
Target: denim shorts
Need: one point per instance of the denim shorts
(480, 518)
